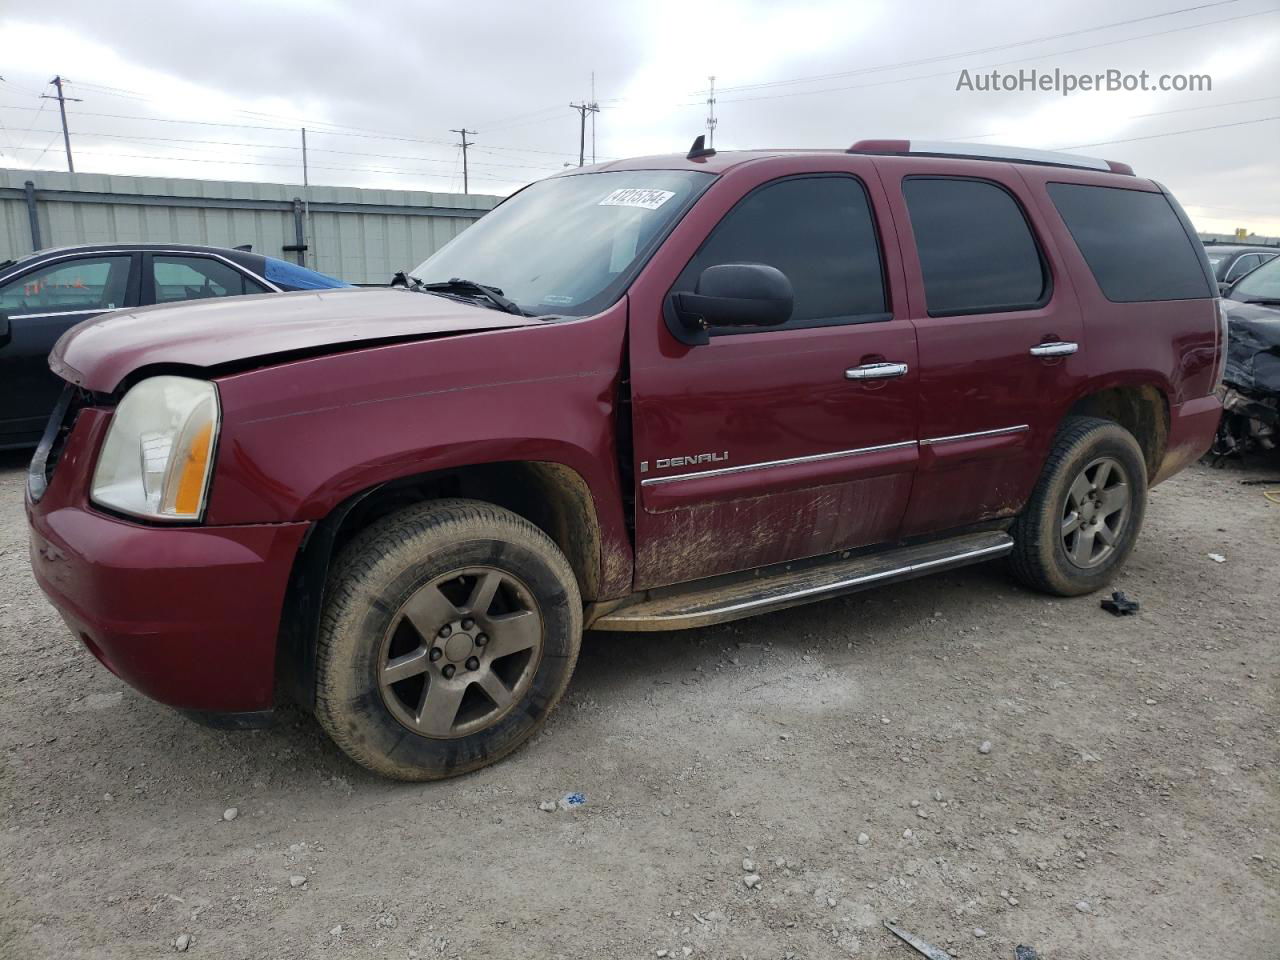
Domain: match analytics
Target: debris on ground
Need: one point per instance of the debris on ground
(1120, 605)
(1217, 558)
(1025, 953)
(571, 800)
(984, 747)
(547, 806)
(182, 943)
(923, 947)
(230, 813)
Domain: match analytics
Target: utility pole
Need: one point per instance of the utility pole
(464, 144)
(62, 108)
(583, 109)
(593, 117)
(306, 190)
(711, 114)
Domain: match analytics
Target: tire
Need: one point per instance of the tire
(1050, 555)
(455, 699)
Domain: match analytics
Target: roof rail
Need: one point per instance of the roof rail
(989, 151)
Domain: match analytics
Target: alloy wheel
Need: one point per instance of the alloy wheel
(460, 652)
(1096, 512)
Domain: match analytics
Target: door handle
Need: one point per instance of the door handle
(1059, 348)
(876, 371)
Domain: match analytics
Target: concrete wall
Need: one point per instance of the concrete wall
(362, 236)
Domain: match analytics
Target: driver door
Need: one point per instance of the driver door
(773, 444)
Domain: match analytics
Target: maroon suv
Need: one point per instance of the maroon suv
(645, 395)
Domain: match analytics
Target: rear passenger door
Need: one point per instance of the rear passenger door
(175, 277)
(999, 336)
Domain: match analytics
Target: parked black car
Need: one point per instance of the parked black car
(44, 294)
(1231, 261)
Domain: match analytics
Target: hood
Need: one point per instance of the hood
(99, 353)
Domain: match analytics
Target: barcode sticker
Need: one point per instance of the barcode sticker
(637, 197)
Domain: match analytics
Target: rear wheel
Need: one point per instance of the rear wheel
(449, 635)
(1083, 518)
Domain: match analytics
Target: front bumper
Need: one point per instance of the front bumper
(187, 615)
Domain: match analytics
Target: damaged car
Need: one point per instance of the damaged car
(1251, 382)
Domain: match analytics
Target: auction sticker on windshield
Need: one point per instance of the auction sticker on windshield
(637, 197)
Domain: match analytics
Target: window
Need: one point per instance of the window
(1134, 242)
(819, 232)
(69, 286)
(1243, 266)
(976, 250)
(196, 278)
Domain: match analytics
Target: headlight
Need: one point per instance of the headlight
(158, 454)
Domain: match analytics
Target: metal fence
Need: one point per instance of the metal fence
(362, 236)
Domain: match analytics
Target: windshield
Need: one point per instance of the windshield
(568, 245)
(1261, 284)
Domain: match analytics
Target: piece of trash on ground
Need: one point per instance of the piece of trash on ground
(571, 800)
(1217, 558)
(924, 948)
(1120, 605)
(1025, 953)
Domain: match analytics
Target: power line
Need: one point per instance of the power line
(1139, 116)
(1171, 133)
(971, 53)
(988, 66)
(289, 130)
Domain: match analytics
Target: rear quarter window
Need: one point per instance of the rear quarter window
(1133, 241)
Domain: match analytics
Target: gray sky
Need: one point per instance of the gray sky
(818, 74)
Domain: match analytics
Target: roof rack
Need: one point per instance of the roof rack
(991, 151)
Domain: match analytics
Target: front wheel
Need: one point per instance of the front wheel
(449, 634)
(1083, 518)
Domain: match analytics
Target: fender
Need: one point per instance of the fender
(301, 438)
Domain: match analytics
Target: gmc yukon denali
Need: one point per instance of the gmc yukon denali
(646, 395)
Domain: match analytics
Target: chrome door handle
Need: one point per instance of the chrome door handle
(876, 371)
(1059, 348)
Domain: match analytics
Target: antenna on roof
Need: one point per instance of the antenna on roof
(699, 150)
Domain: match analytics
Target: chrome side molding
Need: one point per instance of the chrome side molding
(998, 432)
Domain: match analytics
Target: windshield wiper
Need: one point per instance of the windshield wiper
(1264, 301)
(464, 287)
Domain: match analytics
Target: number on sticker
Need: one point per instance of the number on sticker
(642, 197)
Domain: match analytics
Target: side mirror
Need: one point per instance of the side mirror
(735, 295)
(1224, 287)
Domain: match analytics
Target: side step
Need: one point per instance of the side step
(719, 599)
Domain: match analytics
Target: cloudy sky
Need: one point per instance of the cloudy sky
(218, 88)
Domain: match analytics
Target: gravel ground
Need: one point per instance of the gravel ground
(771, 788)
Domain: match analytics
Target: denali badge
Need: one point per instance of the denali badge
(689, 461)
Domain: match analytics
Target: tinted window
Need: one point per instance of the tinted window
(89, 283)
(197, 278)
(976, 250)
(1133, 241)
(816, 230)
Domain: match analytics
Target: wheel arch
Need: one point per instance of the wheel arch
(1140, 406)
(552, 496)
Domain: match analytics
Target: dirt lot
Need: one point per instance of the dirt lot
(1128, 806)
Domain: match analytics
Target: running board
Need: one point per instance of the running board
(722, 599)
